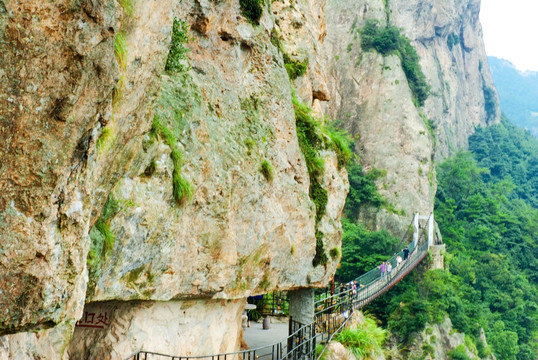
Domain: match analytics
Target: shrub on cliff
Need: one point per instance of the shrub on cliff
(388, 40)
(267, 170)
(252, 10)
(177, 56)
(294, 68)
(365, 341)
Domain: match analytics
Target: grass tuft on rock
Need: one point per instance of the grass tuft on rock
(335, 253)
(104, 139)
(365, 341)
(267, 170)
(128, 7)
(294, 68)
(182, 189)
(102, 240)
(341, 143)
(120, 49)
(321, 256)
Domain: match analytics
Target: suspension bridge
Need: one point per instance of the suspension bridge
(332, 309)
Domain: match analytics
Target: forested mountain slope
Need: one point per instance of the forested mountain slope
(487, 212)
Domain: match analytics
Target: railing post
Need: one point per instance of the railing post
(430, 230)
(290, 331)
(415, 233)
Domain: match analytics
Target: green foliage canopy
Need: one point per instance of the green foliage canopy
(486, 211)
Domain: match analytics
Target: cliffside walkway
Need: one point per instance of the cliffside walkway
(331, 310)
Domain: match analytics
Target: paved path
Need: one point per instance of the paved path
(256, 337)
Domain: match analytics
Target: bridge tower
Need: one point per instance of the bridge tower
(435, 243)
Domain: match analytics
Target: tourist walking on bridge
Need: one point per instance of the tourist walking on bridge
(383, 269)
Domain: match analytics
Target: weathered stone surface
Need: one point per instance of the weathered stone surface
(192, 327)
(44, 344)
(75, 124)
(337, 351)
(440, 337)
(57, 85)
(371, 97)
(240, 234)
(300, 26)
(457, 73)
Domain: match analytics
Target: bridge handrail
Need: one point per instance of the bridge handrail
(280, 347)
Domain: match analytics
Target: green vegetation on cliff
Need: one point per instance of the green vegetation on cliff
(182, 189)
(451, 40)
(252, 10)
(314, 137)
(365, 340)
(177, 56)
(387, 40)
(294, 68)
(102, 240)
(267, 170)
(486, 211)
(311, 141)
(120, 49)
(179, 99)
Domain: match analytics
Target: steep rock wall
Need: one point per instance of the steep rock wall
(76, 130)
(448, 38)
(373, 101)
(59, 76)
(240, 232)
(172, 327)
(436, 341)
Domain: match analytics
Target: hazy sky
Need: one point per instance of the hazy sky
(511, 31)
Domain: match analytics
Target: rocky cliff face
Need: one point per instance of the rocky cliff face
(372, 99)
(133, 195)
(437, 342)
(90, 191)
(59, 74)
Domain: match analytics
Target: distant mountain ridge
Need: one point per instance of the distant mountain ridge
(518, 93)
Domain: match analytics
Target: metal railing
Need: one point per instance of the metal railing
(300, 344)
(331, 313)
(338, 308)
